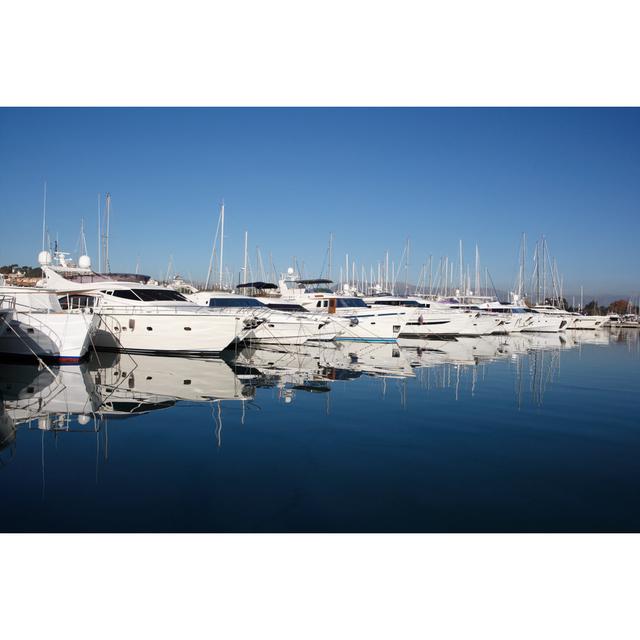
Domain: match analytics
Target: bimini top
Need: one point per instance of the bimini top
(315, 281)
(257, 285)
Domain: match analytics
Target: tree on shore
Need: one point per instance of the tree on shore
(594, 309)
(621, 307)
(29, 272)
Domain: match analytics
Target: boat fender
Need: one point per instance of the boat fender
(420, 319)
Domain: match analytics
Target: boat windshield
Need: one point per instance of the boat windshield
(317, 290)
(235, 302)
(281, 306)
(402, 303)
(148, 295)
(350, 302)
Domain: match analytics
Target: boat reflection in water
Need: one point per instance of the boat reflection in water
(45, 398)
(128, 385)
(117, 385)
(514, 432)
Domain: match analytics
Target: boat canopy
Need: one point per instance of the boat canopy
(257, 285)
(315, 281)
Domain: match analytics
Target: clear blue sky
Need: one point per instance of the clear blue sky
(373, 177)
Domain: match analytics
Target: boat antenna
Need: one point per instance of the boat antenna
(44, 215)
(82, 244)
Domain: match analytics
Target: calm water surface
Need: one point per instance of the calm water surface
(520, 433)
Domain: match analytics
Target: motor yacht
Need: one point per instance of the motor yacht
(357, 320)
(429, 318)
(33, 324)
(272, 326)
(143, 318)
(519, 318)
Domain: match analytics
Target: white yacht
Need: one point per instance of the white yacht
(357, 321)
(272, 326)
(143, 318)
(573, 320)
(518, 318)
(34, 325)
(428, 318)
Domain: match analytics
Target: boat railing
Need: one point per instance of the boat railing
(12, 303)
(159, 310)
(8, 302)
(32, 319)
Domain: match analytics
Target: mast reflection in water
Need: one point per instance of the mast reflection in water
(499, 433)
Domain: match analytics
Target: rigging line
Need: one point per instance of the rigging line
(41, 362)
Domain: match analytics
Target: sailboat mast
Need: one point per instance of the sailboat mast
(99, 236)
(386, 271)
(221, 240)
(244, 268)
(544, 271)
(107, 265)
(523, 248)
(477, 283)
(536, 259)
(330, 256)
(461, 271)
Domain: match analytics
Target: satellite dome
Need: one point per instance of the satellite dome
(290, 271)
(84, 262)
(44, 258)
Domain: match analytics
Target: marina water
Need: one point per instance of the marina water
(512, 433)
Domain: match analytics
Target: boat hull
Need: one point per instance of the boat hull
(56, 336)
(185, 334)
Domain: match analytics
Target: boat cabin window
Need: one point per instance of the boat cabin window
(147, 295)
(351, 302)
(322, 303)
(277, 306)
(235, 302)
(127, 294)
(76, 301)
(291, 284)
(317, 290)
(159, 295)
(403, 303)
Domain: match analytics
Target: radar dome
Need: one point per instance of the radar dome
(83, 418)
(44, 258)
(84, 262)
(290, 271)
